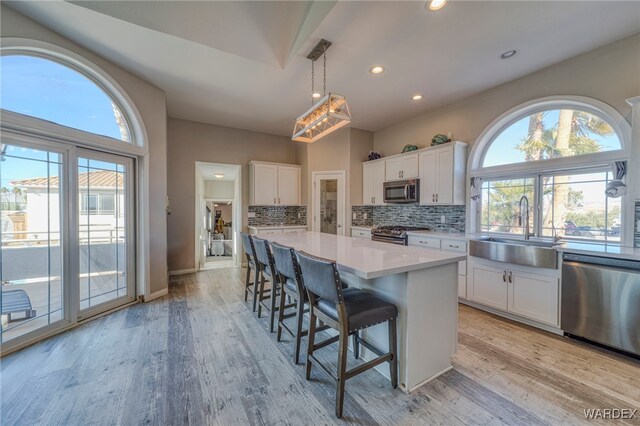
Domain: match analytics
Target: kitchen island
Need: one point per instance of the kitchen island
(422, 282)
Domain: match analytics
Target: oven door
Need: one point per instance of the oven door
(406, 191)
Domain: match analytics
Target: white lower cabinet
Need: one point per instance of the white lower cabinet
(527, 292)
(534, 296)
(357, 232)
(488, 286)
(446, 245)
(261, 232)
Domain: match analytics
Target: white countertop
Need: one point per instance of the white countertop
(278, 227)
(604, 250)
(440, 234)
(365, 258)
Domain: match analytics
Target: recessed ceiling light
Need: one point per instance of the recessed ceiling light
(316, 95)
(436, 4)
(416, 97)
(509, 54)
(376, 69)
(219, 175)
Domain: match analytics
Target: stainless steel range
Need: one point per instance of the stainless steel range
(394, 234)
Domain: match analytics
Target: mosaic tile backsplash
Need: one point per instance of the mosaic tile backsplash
(412, 215)
(636, 233)
(278, 215)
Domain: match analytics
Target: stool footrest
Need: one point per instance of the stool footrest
(327, 342)
(367, 365)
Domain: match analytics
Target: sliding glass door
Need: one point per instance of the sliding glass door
(31, 243)
(67, 247)
(105, 209)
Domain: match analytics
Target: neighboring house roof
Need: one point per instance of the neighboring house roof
(101, 179)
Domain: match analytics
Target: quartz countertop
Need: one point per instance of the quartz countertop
(365, 258)
(440, 234)
(277, 226)
(603, 250)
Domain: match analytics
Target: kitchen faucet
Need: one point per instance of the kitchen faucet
(526, 216)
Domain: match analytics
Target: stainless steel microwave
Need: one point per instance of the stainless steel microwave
(402, 191)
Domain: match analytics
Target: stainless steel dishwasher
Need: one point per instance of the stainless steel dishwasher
(601, 300)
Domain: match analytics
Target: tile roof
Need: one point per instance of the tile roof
(101, 179)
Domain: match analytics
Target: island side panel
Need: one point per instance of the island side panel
(392, 288)
(432, 323)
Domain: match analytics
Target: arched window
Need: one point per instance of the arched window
(45, 89)
(563, 154)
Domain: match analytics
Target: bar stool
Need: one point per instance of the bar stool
(249, 251)
(346, 311)
(266, 266)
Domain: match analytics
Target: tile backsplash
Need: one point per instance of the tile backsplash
(278, 215)
(636, 232)
(412, 215)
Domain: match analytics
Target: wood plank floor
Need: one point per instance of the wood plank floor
(200, 356)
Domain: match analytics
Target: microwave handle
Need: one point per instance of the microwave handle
(406, 191)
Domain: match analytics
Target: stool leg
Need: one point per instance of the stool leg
(393, 348)
(299, 318)
(342, 368)
(281, 313)
(246, 283)
(260, 295)
(272, 314)
(310, 340)
(356, 345)
(256, 285)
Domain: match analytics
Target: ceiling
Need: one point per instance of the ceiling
(243, 64)
(209, 170)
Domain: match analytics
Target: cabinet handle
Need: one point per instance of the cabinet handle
(436, 198)
(510, 277)
(433, 198)
(452, 246)
(274, 201)
(504, 276)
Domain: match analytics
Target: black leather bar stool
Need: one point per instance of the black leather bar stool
(266, 266)
(250, 287)
(347, 311)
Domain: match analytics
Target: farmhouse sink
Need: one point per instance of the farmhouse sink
(541, 254)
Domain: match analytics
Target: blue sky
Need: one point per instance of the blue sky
(503, 150)
(45, 89)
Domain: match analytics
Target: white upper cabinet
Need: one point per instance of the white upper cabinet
(288, 185)
(442, 174)
(402, 167)
(272, 184)
(373, 177)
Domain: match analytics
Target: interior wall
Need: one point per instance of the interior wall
(610, 74)
(219, 189)
(150, 102)
(189, 142)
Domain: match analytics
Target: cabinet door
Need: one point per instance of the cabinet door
(444, 176)
(428, 173)
(488, 286)
(288, 186)
(393, 168)
(264, 232)
(379, 171)
(534, 296)
(368, 178)
(265, 184)
(409, 166)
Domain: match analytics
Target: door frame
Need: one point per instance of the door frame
(341, 177)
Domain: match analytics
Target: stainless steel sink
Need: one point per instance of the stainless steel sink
(541, 254)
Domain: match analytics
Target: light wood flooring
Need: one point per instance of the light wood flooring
(200, 356)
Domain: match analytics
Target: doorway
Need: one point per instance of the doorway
(329, 202)
(218, 210)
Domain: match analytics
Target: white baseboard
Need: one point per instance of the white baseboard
(183, 271)
(157, 294)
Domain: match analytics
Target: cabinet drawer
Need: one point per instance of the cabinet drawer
(292, 230)
(415, 240)
(454, 245)
(358, 233)
(462, 267)
(269, 231)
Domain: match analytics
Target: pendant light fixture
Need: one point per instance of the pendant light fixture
(327, 114)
